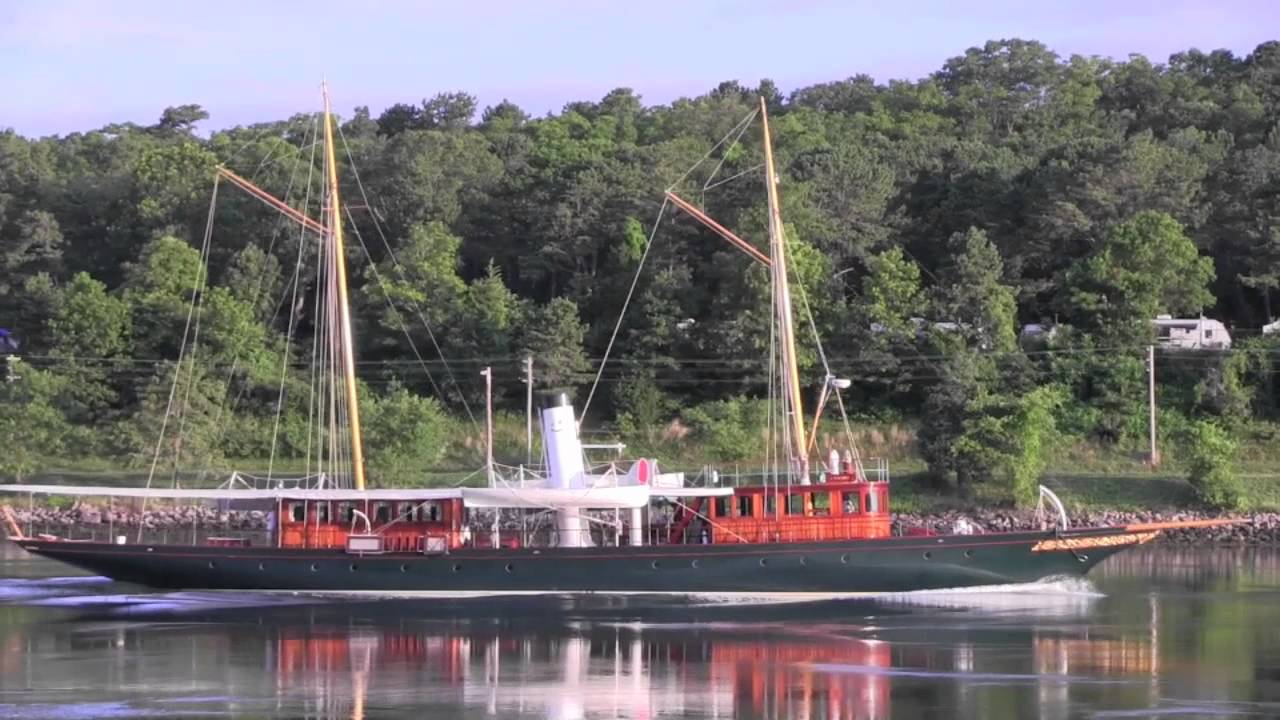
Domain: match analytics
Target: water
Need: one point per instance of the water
(1156, 633)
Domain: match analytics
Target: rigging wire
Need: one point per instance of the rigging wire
(396, 312)
(293, 303)
(395, 263)
(613, 337)
(281, 224)
(173, 388)
(743, 123)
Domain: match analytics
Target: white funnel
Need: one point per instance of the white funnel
(564, 450)
(565, 467)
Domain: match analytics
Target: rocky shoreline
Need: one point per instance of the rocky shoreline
(1261, 528)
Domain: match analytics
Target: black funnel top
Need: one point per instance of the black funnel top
(556, 399)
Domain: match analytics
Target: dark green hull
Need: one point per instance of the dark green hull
(858, 566)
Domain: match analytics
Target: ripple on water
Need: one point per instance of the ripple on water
(23, 589)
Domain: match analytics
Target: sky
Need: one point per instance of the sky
(72, 65)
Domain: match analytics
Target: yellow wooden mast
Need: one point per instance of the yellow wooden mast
(344, 309)
(782, 295)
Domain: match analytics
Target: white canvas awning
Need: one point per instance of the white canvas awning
(418, 494)
(692, 492)
(633, 496)
(627, 496)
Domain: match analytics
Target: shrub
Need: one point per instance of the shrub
(728, 429)
(1211, 452)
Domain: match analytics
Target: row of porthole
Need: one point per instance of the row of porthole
(844, 559)
(764, 562)
(404, 567)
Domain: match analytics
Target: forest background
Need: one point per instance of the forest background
(929, 222)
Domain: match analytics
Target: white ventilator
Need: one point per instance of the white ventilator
(565, 469)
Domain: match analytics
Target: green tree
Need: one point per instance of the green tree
(1145, 266)
(553, 335)
(405, 434)
(1211, 452)
(976, 297)
(891, 292)
(34, 429)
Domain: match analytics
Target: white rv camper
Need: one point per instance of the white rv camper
(1191, 333)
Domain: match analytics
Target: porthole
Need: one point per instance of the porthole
(510, 568)
(927, 555)
(763, 562)
(212, 564)
(1082, 557)
(262, 566)
(404, 567)
(693, 564)
(844, 559)
(803, 560)
(654, 565)
(315, 567)
(456, 568)
(968, 553)
(353, 567)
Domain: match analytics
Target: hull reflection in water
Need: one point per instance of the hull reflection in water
(378, 659)
(618, 674)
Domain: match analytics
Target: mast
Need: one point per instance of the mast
(782, 297)
(344, 309)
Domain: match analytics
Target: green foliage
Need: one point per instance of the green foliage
(32, 425)
(975, 296)
(1145, 266)
(178, 424)
(1012, 185)
(405, 435)
(891, 292)
(643, 409)
(727, 430)
(553, 336)
(1210, 450)
(633, 241)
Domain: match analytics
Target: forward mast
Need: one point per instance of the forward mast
(345, 338)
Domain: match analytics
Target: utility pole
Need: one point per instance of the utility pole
(528, 409)
(1153, 457)
(488, 423)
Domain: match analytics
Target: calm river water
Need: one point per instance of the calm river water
(1157, 632)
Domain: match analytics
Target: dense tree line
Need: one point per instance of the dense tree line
(1011, 186)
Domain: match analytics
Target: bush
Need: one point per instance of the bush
(1211, 452)
(404, 435)
(730, 429)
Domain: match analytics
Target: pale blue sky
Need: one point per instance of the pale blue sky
(79, 64)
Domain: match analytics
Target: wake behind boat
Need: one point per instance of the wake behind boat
(567, 528)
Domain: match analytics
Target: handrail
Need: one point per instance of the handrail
(1055, 504)
(368, 526)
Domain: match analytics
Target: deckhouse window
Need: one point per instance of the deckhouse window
(322, 512)
(721, 507)
(822, 503)
(744, 506)
(346, 512)
(873, 501)
(382, 513)
(795, 504)
(770, 504)
(850, 502)
(297, 511)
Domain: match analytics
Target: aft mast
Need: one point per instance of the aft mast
(344, 309)
(782, 300)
